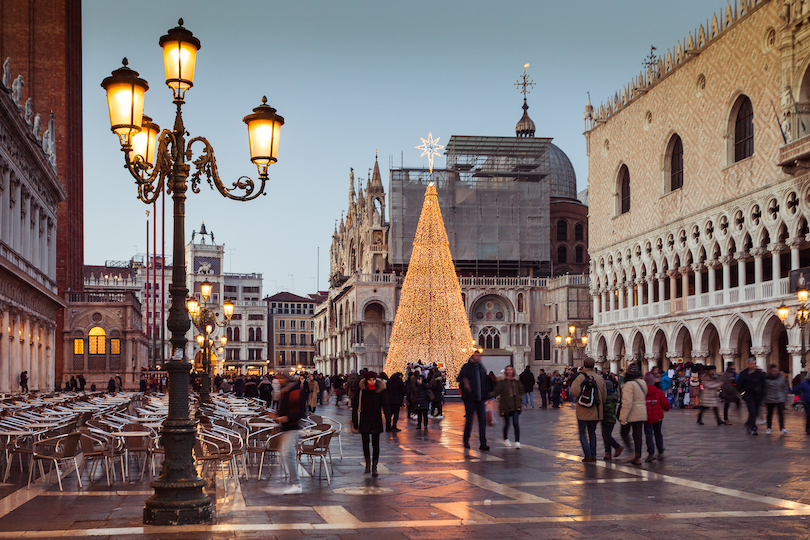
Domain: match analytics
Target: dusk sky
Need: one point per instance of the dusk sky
(350, 78)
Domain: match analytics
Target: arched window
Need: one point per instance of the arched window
(251, 334)
(744, 130)
(489, 338)
(624, 190)
(97, 342)
(258, 334)
(236, 334)
(562, 230)
(580, 254)
(229, 333)
(562, 255)
(520, 302)
(538, 348)
(676, 164)
(546, 348)
(579, 232)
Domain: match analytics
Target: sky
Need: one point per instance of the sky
(350, 78)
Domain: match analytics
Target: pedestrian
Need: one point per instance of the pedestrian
(422, 396)
(751, 384)
(776, 394)
(730, 392)
(657, 403)
(633, 412)
(475, 389)
(609, 420)
(24, 381)
(542, 387)
(436, 385)
(82, 382)
(589, 392)
(73, 384)
(803, 391)
(239, 386)
(509, 392)
(276, 394)
(142, 385)
(119, 384)
(710, 398)
(527, 379)
(396, 393)
(556, 389)
(313, 393)
(291, 408)
(111, 385)
(265, 390)
(371, 403)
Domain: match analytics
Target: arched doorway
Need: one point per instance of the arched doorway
(683, 344)
(620, 351)
(660, 347)
(775, 337)
(372, 335)
(740, 339)
(711, 342)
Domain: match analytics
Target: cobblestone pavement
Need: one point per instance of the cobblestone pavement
(716, 482)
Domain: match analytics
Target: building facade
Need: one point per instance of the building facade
(698, 193)
(502, 200)
(291, 331)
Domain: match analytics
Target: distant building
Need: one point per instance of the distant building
(291, 327)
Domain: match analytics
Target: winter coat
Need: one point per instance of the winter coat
(312, 398)
(666, 382)
(730, 392)
(634, 402)
(711, 386)
(751, 385)
(776, 389)
(527, 378)
(510, 396)
(292, 404)
(420, 398)
(437, 386)
(475, 385)
(542, 382)
(609, 407)
(595, 412)
(395, 391)
(370, 405)
(803, 389)
(656, 402)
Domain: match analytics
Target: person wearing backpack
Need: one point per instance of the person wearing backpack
(657, 403)
(589, 392)
(633, 412)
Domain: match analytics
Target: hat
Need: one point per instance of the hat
(633, 368)
(370, 375)
(649, 378)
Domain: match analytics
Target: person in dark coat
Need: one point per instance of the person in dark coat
(751, 384)
(421, 396)
(251, 388)
(542, 387)
(291, 408)
(142, 385)
(436, 385)
(527, 380)
(239, 387)
(266, 390)
(730, 392)
(72, 383)
(475, 389)
(396, 393)
(111, 386)
(370, 405)
(82, 382)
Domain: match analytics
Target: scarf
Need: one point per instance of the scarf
(372, 386)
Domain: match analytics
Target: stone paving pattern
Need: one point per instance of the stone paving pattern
(716, 482)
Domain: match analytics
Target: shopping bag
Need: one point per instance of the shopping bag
(491, 409)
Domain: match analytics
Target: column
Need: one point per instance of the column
(726, 261)
(698, 269)
(31, 343)
(15, 206)
(758, 253)
(699, 357)
(652, 361)
(711, 267)
(4, 189)
(795, 352)
(761, 354)
(595, 296)
(661, 277)
(650, 289)
(612, 299)
(741, 256)
(673, 289)
(4, 348)
(729, 355)
(776, 250)
(795, 244)
(14, 354)
(685, 271)
(604, 293)
(614, 364)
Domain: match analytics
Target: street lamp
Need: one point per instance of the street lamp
(206, 320)
(802, 315)
(161, 160)
(570, 340)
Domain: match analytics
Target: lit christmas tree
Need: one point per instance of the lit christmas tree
(431, 324)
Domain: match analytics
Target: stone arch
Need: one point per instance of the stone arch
(660, 345)
(601, 347)
(682, 340)
(374, 300)
(773, 340)
(639, 347)
(618, 348)
(481, 307)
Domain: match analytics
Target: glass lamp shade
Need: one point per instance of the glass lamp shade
(144, 142)
(223, 340)
(801, 294)
(193, 306)
(572, 329)
(802, 315)
(209, 329)
(264, 130)
(200, 340)
(125, 95)
(584, 340)
(205, 290)
(568, 340)
(227, 306)
(558, 339)
(179, 58)
(783, 312)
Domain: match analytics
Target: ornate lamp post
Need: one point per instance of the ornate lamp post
(160, 160)
(570, 340)
(206, 320)
(802, 315)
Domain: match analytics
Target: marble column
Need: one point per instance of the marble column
(698, 269)
(5, 343)
(650, 289)
(31, 343)
(795, 244)
(685, 271)
(729, 355)
(605, 292)
(741, 256)
(652, 360)
(673, 289)
(661, 277)
(726, 261)
(614, 364)
(776, 251)
(758, 253)
(711, 267)
(795, 352)
(612, 298)
(761, 354)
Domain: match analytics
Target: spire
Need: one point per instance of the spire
(525, 127)
(361, 199)
(376, 180)
(351, 186)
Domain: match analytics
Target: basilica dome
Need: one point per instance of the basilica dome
(562, 179)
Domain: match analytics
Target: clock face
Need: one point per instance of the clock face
(206, 266)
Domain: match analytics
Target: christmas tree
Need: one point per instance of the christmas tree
(431, 325)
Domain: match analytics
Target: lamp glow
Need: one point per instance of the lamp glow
(783, 312)
(144, 142)
(200, 339)
(205, 290)
(558, 339)
(227, 307)
(193, 306)
(179, 58)
(125, 96)
(264, 131)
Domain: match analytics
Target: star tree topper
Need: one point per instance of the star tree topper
(430, 148)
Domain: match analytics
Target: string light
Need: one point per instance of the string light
(431, 325)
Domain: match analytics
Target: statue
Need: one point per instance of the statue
(46, 141)
(51, 136)
(16, 90)
(37, 127)
(29, 111)
(786, 127)
(7, 73)
(796, 10)
(193, 234)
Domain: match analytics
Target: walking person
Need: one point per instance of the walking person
(542, 387)
(313, 393)
(657, 403)
(711, 399)
(730, 392)
(633, 411)
(82, 382)
(422, 397)
(776, 394)
(24, 381)
(276, 394)
(395, 392)
(803, 390)
(589, 392)
(609, 420)
(292, 407)
(751, 384)
(370, 404)
(475, 389)
(436, 385)
(556, 389)
(509, 392)
(527, 379)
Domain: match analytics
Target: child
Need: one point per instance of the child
(609, 420)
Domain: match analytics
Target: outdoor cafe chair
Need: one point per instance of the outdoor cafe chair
(57, 450)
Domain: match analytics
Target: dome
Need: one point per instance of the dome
(562, 179)
(525, 126)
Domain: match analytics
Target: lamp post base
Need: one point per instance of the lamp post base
(187, 512)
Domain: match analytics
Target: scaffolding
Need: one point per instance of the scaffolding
(494, 196)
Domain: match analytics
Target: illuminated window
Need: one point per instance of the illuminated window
(97, 340)
(115, 346)
(78, 346)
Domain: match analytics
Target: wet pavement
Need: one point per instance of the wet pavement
(716, 482)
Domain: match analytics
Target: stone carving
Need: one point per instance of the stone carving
(51, 136)
(7, 73)
(16, 90)
(29, 111)
(37, 127)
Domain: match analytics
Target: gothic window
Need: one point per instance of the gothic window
(580, 254)
(676, 163)
(97, 340)
(546, 348)
(115, 346)
(624, 190)
(538, 348)
(744, 130)
(562, 230)
(579, 232)
(489, 338)
(562, 255)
